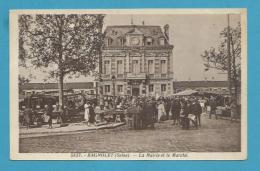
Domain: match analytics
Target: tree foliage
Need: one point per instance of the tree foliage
(217, 57)
(65, 44)
(69, 42)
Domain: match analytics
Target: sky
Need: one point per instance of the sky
(189, 34)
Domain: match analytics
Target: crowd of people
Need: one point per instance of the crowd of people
(145, 111)
(141, 112)
(183, 111)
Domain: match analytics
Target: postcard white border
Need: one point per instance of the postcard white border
(14, 124)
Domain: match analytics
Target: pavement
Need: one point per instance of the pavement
(213, 136)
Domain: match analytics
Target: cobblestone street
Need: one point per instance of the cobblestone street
(213, 136)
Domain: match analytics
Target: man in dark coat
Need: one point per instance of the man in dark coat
(27, 115)
(49, 110)
(175, 109)
(213, 107)
(197, 110)
(137, 116)
(185, 107)
(149, 112)
(92, 114)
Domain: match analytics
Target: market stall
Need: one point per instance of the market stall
(187, 92)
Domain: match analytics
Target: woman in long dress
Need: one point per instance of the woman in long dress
(86, 115)
(161, 110)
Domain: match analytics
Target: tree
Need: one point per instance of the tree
(217, 58)
(62, 44)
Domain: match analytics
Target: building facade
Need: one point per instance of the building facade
(137, 60)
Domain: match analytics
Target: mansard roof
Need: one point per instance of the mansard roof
(116, 31)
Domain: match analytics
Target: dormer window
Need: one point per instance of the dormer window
(149, 41)
(121, 41)
(161, 41)
(109, 41)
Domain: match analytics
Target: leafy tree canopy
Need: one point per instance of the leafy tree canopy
(66, 43)
(217, 57)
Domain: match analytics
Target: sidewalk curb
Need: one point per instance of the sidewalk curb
(42, 134)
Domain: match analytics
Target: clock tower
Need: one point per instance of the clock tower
(135, 41)
(134, 37)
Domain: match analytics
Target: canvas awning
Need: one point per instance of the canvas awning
(186, 93)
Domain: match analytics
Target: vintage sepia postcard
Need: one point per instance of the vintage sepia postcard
(128, 84)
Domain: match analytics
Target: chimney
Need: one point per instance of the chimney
(166, 31)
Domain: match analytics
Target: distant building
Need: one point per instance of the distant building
(77, 87)
(137, 60)
(219, 87)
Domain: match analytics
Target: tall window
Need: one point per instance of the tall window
(107, 88)
(163, 67)
(151, 88)
(136, 67)
(163, 87)
(107, 67)
(119, 88)
(150, 67)
(120, 68)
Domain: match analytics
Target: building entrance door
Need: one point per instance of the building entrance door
(135, 91)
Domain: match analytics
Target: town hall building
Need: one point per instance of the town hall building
(137, 60)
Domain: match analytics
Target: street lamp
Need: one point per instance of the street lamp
(114, 91)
